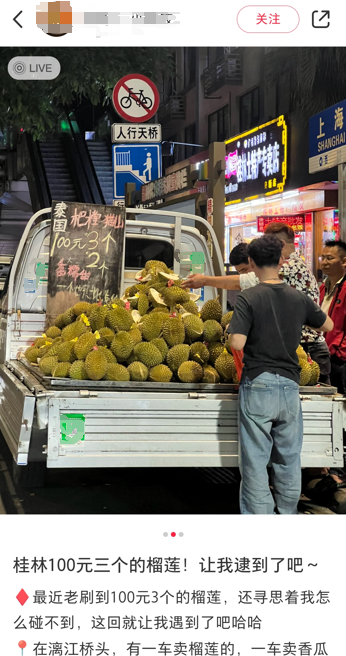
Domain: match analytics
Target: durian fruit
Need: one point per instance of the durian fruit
(143, 304)
(199, 353)
(191, 307)
(211, 310)
(301, 353)
(130, 291)
(132, 358)
(138, 371)
(41, 341)
(173, 295)
(93, 306)
(152, 325)
(190, 372)
(53, 332)
(97, 317)
(31, 354)
(78, 370)
(148, 354)
(106, 336)
(226, 319)
(212, 331)
(315, 372)
(210, 374)
(81, 308)
(155, 298)
(44, 350)
(66, 352)
(215, 349)
(193, 327)
(68, 317)
(117, 372)
(122, 346)
(84, 345)
(166, 277)
(59, 321)
(160, 343)
(74, 330)
(61, 370)
(119, 319)
(173, 331)
(96, 365)
(235, 378)
(133, 300)
(110, 357)
(135, 335)
(225, 366)
(305, 373)
(177, 355)
(162, 310)
(57, 340)
(54, 349)
(47, 364)
(155, 265)
(160, 374)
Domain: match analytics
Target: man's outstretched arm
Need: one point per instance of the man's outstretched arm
(197, 280)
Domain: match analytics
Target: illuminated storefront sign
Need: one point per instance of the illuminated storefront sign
(297, 222)
(256, 162)
(180, 180)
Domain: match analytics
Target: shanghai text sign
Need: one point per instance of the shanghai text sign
(256, 161)
(86, 255)
(327, 138)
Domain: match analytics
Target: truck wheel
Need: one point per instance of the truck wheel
(31, 475)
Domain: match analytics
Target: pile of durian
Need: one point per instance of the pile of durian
(154, 333)
(310, 371)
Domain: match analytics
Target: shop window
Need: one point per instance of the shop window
(190, 65)
(190, 138)
(218, 125)
(139, 250)
(249, 112)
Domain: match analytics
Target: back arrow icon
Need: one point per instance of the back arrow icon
(15, 19)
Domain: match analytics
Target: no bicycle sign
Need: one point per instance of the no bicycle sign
(136, 98)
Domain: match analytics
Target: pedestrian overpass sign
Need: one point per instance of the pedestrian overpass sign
(138, 163)
(327, 138)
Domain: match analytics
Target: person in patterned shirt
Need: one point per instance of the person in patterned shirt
(296, 274)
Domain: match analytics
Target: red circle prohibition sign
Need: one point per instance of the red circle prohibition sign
(136, 98)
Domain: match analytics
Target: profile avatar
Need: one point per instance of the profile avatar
(54, 18)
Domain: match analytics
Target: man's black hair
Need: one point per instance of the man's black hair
(340, 245)
(239, 255)
(265, 251)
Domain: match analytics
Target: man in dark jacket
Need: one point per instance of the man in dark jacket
(333, 303)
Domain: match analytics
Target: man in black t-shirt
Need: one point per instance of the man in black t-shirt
(267, 323)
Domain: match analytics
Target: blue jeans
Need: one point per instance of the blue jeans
(270, 430)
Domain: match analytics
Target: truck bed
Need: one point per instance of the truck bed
(147, 424)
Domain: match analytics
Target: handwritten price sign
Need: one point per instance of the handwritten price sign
(86, 255)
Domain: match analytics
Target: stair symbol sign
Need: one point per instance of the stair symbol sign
(123, 163)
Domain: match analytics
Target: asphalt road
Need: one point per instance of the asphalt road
(163, 491)
(120, 491)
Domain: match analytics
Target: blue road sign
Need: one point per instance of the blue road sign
(138, 163)
(327, 138)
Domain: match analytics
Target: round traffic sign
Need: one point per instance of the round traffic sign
(136, 98)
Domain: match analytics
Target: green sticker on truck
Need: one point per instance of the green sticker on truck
(72, 428)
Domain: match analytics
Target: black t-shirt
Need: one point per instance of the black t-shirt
(272, 316)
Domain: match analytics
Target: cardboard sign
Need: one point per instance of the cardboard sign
(86, 255)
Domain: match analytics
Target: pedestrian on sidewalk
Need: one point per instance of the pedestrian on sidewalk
(267, 323)
(333, 303)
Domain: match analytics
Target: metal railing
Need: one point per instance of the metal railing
(226, 70)
(174, 108)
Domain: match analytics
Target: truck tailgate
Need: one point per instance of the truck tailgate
(153, 429)
(17, 406)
